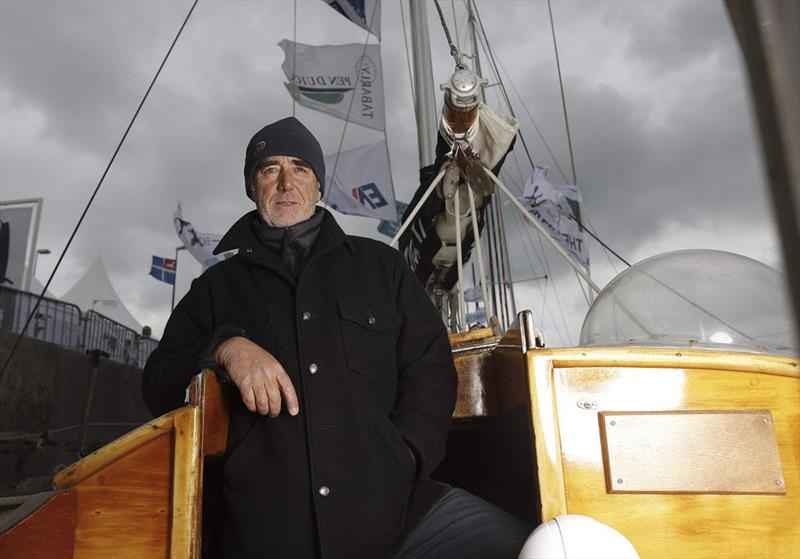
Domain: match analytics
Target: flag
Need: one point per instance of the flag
(163, 269)
(364, 13)
(199, 245)
(558, 208)
(479, 316)
(473, 294)
(390, 228)
(338, 80)
(362, 184)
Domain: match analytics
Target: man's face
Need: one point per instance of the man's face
(285, 190)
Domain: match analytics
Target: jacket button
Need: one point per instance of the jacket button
(371, 320)
(306, 315)
(324, 490)
(313, 368)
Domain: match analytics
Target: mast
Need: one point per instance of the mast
(427, 123)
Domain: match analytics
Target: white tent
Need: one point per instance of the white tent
(94, 291)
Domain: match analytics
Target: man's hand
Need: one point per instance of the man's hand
(260, 378)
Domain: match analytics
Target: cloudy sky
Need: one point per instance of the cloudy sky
(665, 148)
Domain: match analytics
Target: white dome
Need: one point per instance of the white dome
(574, 536)
(695, 298)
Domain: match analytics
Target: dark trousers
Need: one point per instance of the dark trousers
(463, 526)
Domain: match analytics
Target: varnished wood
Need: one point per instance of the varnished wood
(114, 451)
(476, 394)
(43, 528)
(186, 484)
(703, 452)
(547, 442)
(570, 387)
(206, 393)
(124, 508)
(459, 339)
(139, 496)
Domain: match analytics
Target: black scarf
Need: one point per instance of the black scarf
(291, 243)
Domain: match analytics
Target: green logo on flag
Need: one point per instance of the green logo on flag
(327, 95)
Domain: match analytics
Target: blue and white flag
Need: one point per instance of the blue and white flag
(364, 13)
(558, 208)
(477, 317)
(199, 245)
(362, 184)
(345, 81)
(163, 269)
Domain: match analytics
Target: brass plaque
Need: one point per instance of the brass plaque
(714, 452)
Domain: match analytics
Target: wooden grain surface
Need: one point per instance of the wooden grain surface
(48, 533)
(186, 485)
(207, 395)
(583, 382)
(124, 508)
(112, 452)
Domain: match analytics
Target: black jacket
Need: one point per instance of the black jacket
(337, 480)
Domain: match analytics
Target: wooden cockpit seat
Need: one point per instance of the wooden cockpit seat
(139, 496)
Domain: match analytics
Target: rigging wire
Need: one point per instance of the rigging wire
(294, 53)
(563, 100)
(408, 60)
(94, 194)
(454, 52)
(499, 78)
(347, 117)
(455, 24)
(523, 229)
(485, 45)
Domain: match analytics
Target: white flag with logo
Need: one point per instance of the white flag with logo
(364, 13)
(338, 80)
(362, 184)
(199, 245)
(558, 208)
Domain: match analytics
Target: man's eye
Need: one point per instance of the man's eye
(269, 170)
(301, 169)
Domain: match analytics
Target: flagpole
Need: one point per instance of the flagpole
(172, 306)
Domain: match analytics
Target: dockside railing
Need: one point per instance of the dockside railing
(64, 324)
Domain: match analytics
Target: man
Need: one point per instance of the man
(339, 370)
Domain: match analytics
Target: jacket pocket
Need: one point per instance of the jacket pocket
(368, 333)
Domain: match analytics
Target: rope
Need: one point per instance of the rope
(453, 50)
(94, 194)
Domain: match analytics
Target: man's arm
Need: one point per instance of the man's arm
(426, 374)
(192, 342)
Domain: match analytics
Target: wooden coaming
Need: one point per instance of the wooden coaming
(139, 496)
(569, 387)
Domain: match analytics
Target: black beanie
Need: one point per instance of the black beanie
(284, 137)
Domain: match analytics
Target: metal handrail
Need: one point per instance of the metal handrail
(64, 324)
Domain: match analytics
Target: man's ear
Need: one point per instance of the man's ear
(319, 192)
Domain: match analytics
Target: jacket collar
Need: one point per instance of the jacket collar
(240, 236)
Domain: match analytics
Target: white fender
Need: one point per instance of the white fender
(574, 536)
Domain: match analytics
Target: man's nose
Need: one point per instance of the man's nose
(285, 180)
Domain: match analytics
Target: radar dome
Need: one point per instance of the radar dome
(695, 298)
